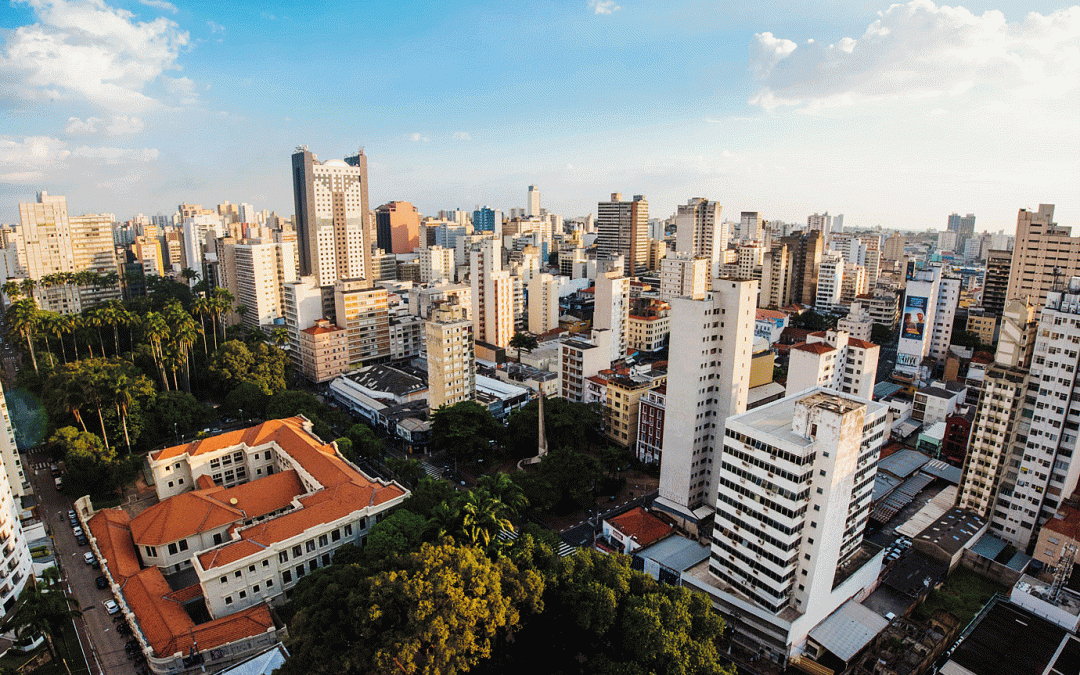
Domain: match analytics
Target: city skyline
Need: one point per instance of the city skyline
(137, 106)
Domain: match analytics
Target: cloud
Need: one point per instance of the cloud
(216, 28)
(918, 50)
(462, 136)
(41, 158)
(181, 90)
(418, 138)
(124, 125)
(604, 6)
(85, 49)
(116, 155)
(159, 4)
(77, 126)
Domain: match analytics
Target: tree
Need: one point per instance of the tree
(293, 402)
(880, 334)
(234, 363)
(523, 341)
(399, 533)
(21, 319)
(566, 424)
(428, 493)
(247, 399)
(438, 610)
(564, 480)
(365, 444)
(43, 609)
(91, 465)
(176, 413)
(407, 471)
(811, 320)
(464, 431)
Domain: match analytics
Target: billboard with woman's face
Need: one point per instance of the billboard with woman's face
(913, 324)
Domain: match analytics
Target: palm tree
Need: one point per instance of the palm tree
(22, 319)
(183, 331)
(483, 517)
(12, 290)
(43, 609)
(202, 307)
(506, 491)
(27, 286)
(222, 303)
(86, 324)
(52, 323)
(113, 314)
(155, 330)
(279, 336)
(125, 388)
(188, 275)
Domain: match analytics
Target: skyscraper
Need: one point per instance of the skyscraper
(612, 309)
(1044, 254)
(492, 294)
(450, 357)
(487, 220)
(701, 233)
(623, 229)
(363, 311)
(261, 270)
(397, 227)
(963, 226)
(534, 202)
(18, 565)
(332, 221)
(804, 256)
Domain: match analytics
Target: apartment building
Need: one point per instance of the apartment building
(581, 358)
(261, 271)
(834, 360)
(363, 311)
(451, 361)
(324, 351)
(682, 275)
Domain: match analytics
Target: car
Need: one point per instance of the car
(111, 607)
(101, 582)
(59, 482)
(73, 517)
(77, 531)
(54, 469)
(90, 559)
(82, 540)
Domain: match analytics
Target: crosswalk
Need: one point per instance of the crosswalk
(563, 551)
(431, 470)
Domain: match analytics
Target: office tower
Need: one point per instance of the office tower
(750, 226)
(18, 565)
(261, 270)
(451, 363)
(397, 227)
(834, 360)
(436, 264)
(893, 248)
(795, 481)
(682, 275)
(581, 358)
(534, 202)
(963, 226)
(332, 216)
(917, 321)
(196, 231)
(622, 229)
(48, 241)
(944, 315)
(1041, 471)
(487, 220)
(612, 309)
(492, 294)
(363, 311)
(1044, 254)
(708, 374)
(804, 255)
(854, 283)
(304, 302)
(700, 232)
(775, 273)
(830, 282)
(544, 303)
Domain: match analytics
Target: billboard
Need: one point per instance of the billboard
(913, 324)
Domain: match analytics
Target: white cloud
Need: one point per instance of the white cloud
(41, 158)
(215, 27)
(86, 49)
(116, 155)
(604, 6)
(919, 50)
(418, 138)
(77, 126)
(181, 90)
(124, 125)
(462, 136)
(159, 4)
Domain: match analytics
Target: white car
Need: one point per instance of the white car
(77, 531)
(111, 607)
(89, 558)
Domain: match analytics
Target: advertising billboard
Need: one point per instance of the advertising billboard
(913, 324)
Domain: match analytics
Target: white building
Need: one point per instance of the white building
(544, 303)
(261, 270)
(708, 374)
(612, 309)
(830, 282)
(834, 360)
(333, 225)
(17, 564)
(795, 482)
(492, 294)
(858, 322)
(580, 359)
(700, 232)
(682, 275)
(944, 316)
(451, 359)
(436, 264)
(917, 321)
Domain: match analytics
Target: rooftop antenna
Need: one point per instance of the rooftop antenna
(1062, 571)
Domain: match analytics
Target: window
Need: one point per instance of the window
(237, 574)
(283, 557)
(224, 580)
(335, 535)
(297, 551)
(266, 563)
(151, 552)
(309, 545)
(183, 544)
(243, 594)
(255, 588)
(299, 571)
(270, 582)
(286, 576)
(348, 530)
(228, 599)
(323, 540)
(172, 549)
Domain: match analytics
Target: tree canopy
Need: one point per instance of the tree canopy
(464, 431)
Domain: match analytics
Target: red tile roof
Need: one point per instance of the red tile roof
(111, 528)
(814, 347)
(643, 526)
(861, 344)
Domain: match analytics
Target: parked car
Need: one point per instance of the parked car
(78, 531)
(90, 559)
(59, 482)
(101, 582)
(54, 469)
(82, 540)
(73, 518)
(111, 607)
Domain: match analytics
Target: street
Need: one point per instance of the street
(582, 533)
(103, 646)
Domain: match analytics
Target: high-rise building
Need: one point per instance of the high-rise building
(750, 226)
(623, 229)
(544, 303)
(18, 565)
(487, 220)
(996, 281)
(944, 316)
(451, 361)
(612, 309)
(963, 226)
(701, 232)
(324, 351)
(436, 264)
(682, 275)
(332, 218)
(775, 273)
(363, 311)
(581, 358)
(534, 202)
(830, 282)
(492, 294)
(917, 321)
(261, 270)
(795, 481)
(834, 360)
(1044, 255)
(804, 256)
(708, 374)
(397, 227)
(894, 247)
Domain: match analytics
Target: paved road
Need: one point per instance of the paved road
(105, 653)
(582, 533)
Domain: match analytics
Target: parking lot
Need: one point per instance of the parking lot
(102, 644)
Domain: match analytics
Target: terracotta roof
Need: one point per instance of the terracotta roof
(861, 344)
(770, 314)
(260, 434)
(168, 628)
(643, 526)
(262, 496)
(814, 347)
(181, 516)
(1067, 520)
(321, 330)
(111, 528)
(204, 482)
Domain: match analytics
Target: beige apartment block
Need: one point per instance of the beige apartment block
(451, 359)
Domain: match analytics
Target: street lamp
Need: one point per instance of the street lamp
(241, 415)
(175, 435)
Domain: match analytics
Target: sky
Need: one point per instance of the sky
(894, 115)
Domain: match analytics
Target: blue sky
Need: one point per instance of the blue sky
(891, 114)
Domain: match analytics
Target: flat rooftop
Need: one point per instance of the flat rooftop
(1008, 640)
(775, 418)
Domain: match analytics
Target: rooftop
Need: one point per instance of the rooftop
(848, 630)
(642, 526)
(953, 530)
(1008, 640)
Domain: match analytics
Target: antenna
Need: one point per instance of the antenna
(1062, 571)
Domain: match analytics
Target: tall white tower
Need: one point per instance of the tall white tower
(534, 202)
(15, 554)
